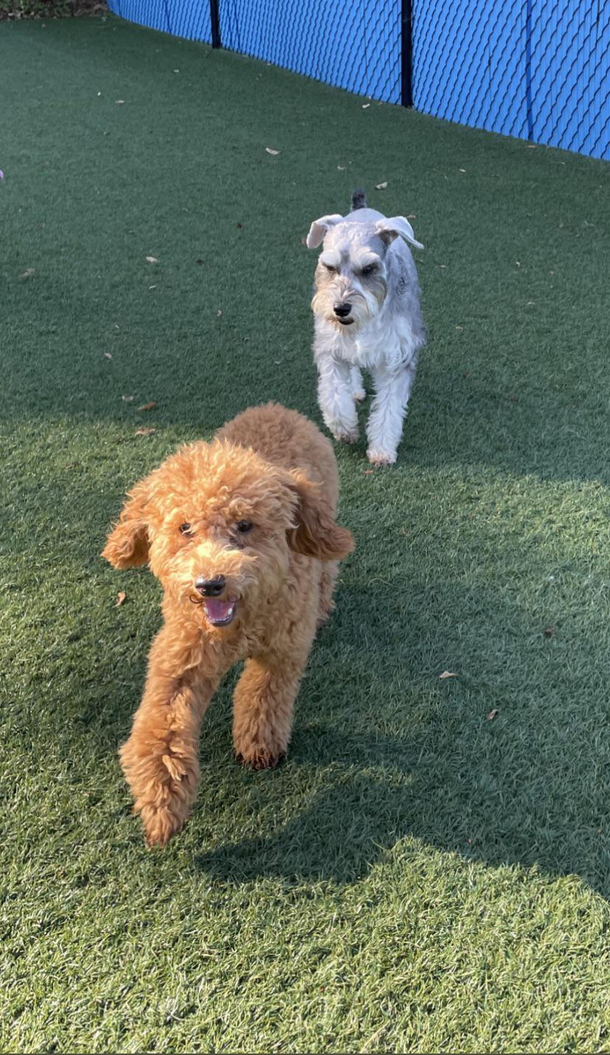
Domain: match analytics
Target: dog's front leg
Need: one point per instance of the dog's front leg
(263, 706)
(336, 398)
(384, 428)
(160, 758)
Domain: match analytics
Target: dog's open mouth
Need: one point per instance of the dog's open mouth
(345, 322)
(220, 612)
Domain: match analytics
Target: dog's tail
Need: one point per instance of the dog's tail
(358, 199)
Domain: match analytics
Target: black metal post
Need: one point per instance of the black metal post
(215, 23)
(406, 53)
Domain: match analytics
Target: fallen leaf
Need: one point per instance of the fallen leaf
(176, 71)
(152, 287)
(127, 399)
(148, 406)
(381, 186)
(152, 260)
(443, 267)
(120, 598)
(548, 631)
(492, 714)
(447, 674)
(144, 432)
(531, 146)
(341, 168)
(462, 170)
(28, 272)
(108, 355)
(119, 101)
(411, 216)
(367, 472)
(219, 313)
(273, 152)
(365, 106)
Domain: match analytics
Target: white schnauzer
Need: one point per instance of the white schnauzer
(367, 314)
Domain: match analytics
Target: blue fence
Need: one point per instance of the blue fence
(536, 69)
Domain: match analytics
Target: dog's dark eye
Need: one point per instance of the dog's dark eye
(244, 526)
(329, 267)
(185, 529)
(368, 270)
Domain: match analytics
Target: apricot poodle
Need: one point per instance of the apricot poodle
(241, 533)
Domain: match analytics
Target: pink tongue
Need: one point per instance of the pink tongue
(218, 610)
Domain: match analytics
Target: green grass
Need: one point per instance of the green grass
(416, 876)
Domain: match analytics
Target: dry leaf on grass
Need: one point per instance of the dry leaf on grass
(148, 406)
(365, 106)
(381, 186)
(152, 260)
(219, 312)
(120, 597)
(548, 631)
(144, 432)
(411, 216)
(119, 101)
(447, 674)
(28, 272)
(108, 355)
(127, 399)
(270, 150)
(341, 168)
(462, 170)
(492, 714)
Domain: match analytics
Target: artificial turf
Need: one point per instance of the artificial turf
(418, 876)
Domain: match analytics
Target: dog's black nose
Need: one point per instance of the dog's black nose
(343, 310)
(211, 587)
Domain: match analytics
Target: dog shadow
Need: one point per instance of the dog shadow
(403, 764)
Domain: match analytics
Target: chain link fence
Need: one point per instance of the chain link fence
(535, 69)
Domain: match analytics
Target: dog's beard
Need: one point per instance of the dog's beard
(248, 589)
(365, 306)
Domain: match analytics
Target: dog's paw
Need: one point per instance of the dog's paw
(342, 434)
(377, 456)
(160, 823)
(260, 759)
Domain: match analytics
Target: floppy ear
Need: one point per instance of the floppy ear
(316, 532)
(127, 544)
(319, 228)
(393, 226)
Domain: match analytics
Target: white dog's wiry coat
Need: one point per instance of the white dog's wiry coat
(367, 315)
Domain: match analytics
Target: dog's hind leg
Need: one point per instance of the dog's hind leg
(358, 389)
(263, 706)
(327, 588)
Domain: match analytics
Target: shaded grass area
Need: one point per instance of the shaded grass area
(416, 876)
